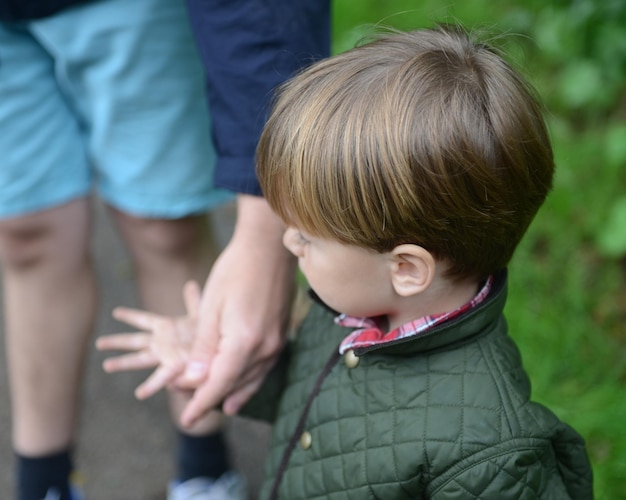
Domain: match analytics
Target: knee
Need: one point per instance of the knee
(177, 238)
(23, 244)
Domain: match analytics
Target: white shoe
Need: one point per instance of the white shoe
(54, 494)
(229, 486)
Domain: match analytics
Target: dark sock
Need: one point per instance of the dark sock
(201, 456)
(35, 476)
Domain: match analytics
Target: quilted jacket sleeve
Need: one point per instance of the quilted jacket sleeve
(522, 468)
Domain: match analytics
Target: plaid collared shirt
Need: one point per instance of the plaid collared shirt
(368, 332)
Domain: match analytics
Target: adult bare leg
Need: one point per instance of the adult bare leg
(50, 303)
(167, 253)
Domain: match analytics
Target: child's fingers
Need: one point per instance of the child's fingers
(159, 379)
(123, 342)
(130, 362)
(140, 319)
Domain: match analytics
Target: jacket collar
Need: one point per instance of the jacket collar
(474, 322)
(369, 333)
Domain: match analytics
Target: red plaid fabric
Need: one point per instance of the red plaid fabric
(368, 332)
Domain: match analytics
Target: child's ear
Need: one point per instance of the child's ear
(412, 269)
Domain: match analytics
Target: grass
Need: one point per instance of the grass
(567, 306)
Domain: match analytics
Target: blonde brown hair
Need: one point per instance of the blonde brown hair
(426, 137)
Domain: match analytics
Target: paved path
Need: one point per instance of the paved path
(125, 446)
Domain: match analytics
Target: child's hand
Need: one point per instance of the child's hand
(164, 343)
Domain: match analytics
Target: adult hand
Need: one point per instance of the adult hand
(243, 314)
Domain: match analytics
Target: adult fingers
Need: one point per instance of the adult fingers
(192, 296)
(204, 344)
(239, 397)
(234, 371)
(225, 372)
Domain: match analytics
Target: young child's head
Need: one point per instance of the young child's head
(426, 138)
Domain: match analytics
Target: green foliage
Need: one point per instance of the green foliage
(612, 237)
(567, 306)
(582, 50)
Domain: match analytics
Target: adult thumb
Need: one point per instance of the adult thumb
(203, 349)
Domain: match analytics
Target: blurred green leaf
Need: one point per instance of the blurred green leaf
(581, 84)
(611, 238)
(555, 34)
(615, 145)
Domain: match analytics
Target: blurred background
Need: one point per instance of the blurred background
(567, 306)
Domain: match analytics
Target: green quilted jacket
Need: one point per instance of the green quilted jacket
(445, 415)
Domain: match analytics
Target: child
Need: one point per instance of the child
(407, 170)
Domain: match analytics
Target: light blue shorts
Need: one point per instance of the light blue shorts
(107, 95)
